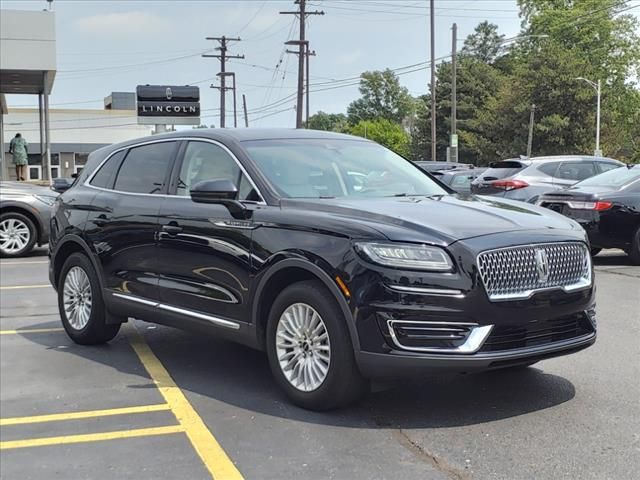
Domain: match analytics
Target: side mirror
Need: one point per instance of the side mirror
(220, 191)
(61, 184)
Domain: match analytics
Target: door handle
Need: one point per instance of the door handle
(101, 221)
(172, 229)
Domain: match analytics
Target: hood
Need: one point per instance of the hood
(23, 188)
(441, 219)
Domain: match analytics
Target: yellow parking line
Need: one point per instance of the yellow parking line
(86, 414)
(18, 287)
(31, 330)
(90, 437)
(211, 453)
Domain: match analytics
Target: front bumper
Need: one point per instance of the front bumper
(402, 364)
(413, 323)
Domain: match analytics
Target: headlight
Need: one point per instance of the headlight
(399, 255)
(46, 199)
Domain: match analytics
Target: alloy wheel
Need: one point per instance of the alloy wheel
(14, 236)
(303, 347)
(77, 298)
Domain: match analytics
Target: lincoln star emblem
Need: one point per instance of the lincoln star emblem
(542, 265)
(169, 93)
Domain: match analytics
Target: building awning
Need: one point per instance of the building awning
(27, 52)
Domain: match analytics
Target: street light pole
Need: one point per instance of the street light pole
(597, 88)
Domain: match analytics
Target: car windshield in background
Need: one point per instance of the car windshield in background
(313, 168)
(615, 178)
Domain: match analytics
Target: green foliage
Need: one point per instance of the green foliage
(382, 97)
(332, 122)
(497, 84)
(484, 43)
(384, 132)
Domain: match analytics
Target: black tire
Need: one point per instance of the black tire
(595, 251)
(343, 383)
(634, 251)
(96, 330)
(33, 234)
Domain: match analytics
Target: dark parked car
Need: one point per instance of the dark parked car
(261, 236)
(24, 217)
(527, 179)
(607, 206)
(460, 180)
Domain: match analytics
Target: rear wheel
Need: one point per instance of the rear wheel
(634, 251)
(17, 234)
(80, 303)
(310, 350)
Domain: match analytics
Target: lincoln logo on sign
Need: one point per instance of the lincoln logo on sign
(168, 104)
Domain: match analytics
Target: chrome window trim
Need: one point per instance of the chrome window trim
(472, 344)
(439, 292)
(164, 195)
(581, 285)
(210, 318)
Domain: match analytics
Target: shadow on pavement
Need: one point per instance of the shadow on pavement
(240, 377)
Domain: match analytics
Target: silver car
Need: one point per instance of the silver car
(25, 210)
(528, 179)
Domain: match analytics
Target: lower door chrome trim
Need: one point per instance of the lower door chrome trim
(133, 298)
(209, 318)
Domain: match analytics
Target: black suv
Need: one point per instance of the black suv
(265, 237)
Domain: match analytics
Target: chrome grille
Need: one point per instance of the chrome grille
(518, 272)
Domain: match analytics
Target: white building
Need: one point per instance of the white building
(74, 133)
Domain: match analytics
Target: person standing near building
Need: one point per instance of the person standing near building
(19, 150)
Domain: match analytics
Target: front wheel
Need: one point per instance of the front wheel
(17, 235)
(80, 303)
(310, 350)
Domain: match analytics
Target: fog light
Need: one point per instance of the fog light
(591, 313)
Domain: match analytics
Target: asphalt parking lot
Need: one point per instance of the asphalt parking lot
(160, 403)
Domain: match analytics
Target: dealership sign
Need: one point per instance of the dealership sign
(168, 105)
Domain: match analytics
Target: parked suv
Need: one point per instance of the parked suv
(265, 238)
(527, 179)
(24, 217)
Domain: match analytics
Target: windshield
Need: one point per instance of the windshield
(313, 168)
(615, 178)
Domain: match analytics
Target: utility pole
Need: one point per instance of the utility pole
(454, 136)
(308, 54)
(433, 81)
(530, 140)
(302, 46)
(244, 107)
(223, 73)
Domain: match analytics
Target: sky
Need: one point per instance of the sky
(114, 45)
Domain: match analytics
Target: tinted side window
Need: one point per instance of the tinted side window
(107, 172)
(549, 168)
(207, 161)
(576, 171)
(144, 169)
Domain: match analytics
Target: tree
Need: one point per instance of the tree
(382, 97)
(332, 122)
(384, 132)
(484, 43)
(477, 82)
